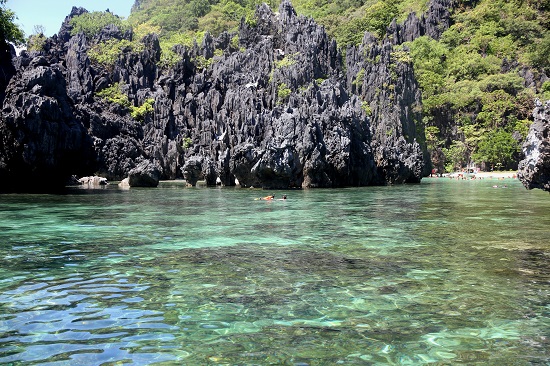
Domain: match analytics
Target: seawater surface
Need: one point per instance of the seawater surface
(443, 272)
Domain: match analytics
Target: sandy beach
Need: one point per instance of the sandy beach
(484, 175)
(497, 175)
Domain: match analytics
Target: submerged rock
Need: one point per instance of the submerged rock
(534, 170)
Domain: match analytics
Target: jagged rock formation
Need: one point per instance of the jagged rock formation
(280, 109)
(145, 174)
(433, 23)
(534, 170)
(389, 91)
(42, 140)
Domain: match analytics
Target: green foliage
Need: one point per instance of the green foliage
(545, 90)
(250, 20)
(36, 42)
(177, 17)
(168, 57)
(93, 22)
(170, 15)
(432, 137)
(401, 55)
(287, 61)
(106, 53)
(454, 156)
(319, 81)
(359, 77)
(345, 20)
(522, 127)
(235, 42)
(379, 16)
(463, 64)
(283, 92)
(139, 113)
(141, 30)
(497, 148)
(113, 94)
(350, 32)
(461, 76)
(496, 106)
(187, 142)
(202, 62)
(9, 31)
(217, 22)
(411, 6)
(365, 106)
(429, 60)
(511, 83)
(539, 52)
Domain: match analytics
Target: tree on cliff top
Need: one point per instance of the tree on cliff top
(9, 31)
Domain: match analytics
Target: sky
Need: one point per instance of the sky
(51, 13)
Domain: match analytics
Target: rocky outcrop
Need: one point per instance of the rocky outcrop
(432, 23)
(92, 182)
(146, 174)
(41, 136)
(534, 170)
(385, 83)
(273, 106)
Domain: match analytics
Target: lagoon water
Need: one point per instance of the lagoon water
(444, 272)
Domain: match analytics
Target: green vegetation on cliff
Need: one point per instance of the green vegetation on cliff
(478, 81)
(482, 76)
(344, 20)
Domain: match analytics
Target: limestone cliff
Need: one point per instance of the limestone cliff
(282, 108)
(534, 170)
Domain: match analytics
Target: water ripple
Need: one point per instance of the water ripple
(72, 320)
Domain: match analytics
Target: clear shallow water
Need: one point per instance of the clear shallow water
(445, 272)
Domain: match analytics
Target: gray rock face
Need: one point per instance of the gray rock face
(41, 138)
(146, 174)
(432, 23)
(389, 93)
(279, 109)
(534, 170)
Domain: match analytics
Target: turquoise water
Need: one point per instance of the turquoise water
(441, 273)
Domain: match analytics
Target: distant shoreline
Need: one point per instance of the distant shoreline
(482, 175)
(512, 175)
